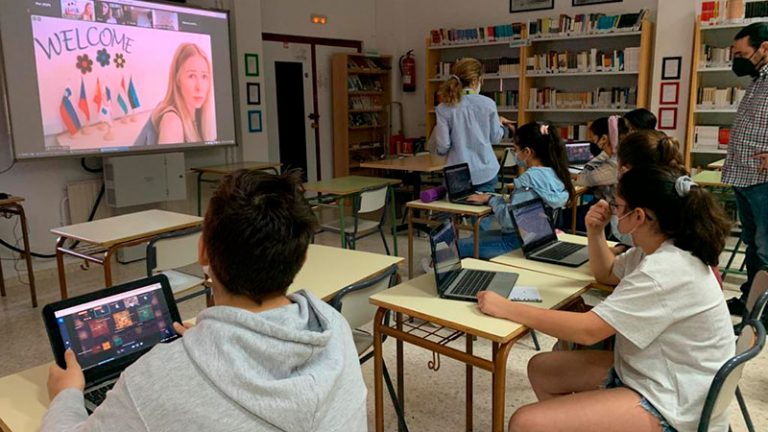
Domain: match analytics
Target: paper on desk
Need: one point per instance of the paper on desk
(525, 294)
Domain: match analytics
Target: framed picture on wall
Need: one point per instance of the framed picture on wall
(667, 118)
(253, 93)
(251, 65)
(254, 121)
(670, 68)
(669, 93)
(530, 5)
(592, 2)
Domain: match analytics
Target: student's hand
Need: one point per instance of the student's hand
(61, 379)
(763, 158)
(182, 327)
(491, 303)
(506, 122)
(598, 216)
(479, 198)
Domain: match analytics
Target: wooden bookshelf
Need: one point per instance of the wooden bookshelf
(524, 80)
(361, 99)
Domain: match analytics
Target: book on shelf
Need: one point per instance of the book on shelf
(712, 56)
(600, 98)
(365, 63)
(593, 60)
(711, 137)
(728, 97)
(714, 12)
(585, 24)
(573, 132)
(357, 83)
(474, 35)
(756, 9)
(365, 103)
(497, 65)
(506, 99)
(364, 119)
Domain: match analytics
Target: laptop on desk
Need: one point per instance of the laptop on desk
(110, 329)
(578, 154)
(538, 238)
(454, 282)
(458, 182)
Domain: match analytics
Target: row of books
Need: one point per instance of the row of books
(593, 60)
(711, 56)
(366, 63)
(729, 11)
(364, 83)
(711, 137)
(364, 119)
(613, 98)
(574, 132)
(508, 98)
(585, 24)
(453, 36)
(498, 65)
(365, 103)
(719, 97)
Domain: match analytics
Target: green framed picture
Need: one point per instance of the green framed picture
(252, 65)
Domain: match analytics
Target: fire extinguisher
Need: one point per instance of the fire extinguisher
(408, 71)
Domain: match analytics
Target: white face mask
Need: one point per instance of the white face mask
(618, 221)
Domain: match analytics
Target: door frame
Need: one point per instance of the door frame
(313, 42)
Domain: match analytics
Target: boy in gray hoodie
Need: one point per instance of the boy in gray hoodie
(260, 360)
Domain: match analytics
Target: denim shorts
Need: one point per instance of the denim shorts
(613, 381)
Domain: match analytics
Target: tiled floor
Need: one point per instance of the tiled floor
(434, 399)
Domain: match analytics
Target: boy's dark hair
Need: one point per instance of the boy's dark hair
(600, 127)
(641, 119)
(647, 148)
(256, 232)
(756, 32)
(548, 148)
(695, 221)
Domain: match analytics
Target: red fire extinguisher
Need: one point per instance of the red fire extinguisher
(408, 71)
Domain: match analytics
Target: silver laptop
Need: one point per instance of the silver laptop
(538, 237)
(458, 181)
(454, 282)
(578, 154)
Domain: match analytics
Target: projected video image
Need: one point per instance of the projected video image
(112, 75)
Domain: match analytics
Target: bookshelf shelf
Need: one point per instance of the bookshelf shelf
(574, 36)
(709, 151)
(579, 74)
(716, 69)
(487, 77)
(473, 45)
(361, 92)
(715, 110)
(730, 25)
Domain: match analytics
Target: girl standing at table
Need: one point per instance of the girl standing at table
(468, 124)
(669, 317)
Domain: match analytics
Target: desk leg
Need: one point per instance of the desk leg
(410, 243)
(108, 267)
(27, 254)
(476, 229)
(342, 228)
(469, 389)
(378, 371)
(2, 282)
(500, 355)
(60, 266)
(199, 193)
(393, 216)
(400, 365)
(574, 211)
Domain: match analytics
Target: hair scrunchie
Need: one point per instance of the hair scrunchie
(544, 129)
(613, 131)
(683, 185)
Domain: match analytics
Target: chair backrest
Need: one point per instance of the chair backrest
(509, 160)
(758, 296)
(172, 250)
(354, 298)
(723, 389)
(373, 199)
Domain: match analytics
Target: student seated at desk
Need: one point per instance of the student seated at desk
(260, 360)
(640, 119)
(539, 150)
(669, 317)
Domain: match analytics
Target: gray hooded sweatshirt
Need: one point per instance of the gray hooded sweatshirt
(293, 368)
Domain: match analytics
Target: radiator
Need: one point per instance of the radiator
(81, 196)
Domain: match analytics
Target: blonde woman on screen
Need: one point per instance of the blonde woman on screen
(186, 114)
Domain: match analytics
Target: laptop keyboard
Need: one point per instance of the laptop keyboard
(560, 251)
(472, 282)
(97, 395)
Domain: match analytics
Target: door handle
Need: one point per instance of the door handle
(313, 116)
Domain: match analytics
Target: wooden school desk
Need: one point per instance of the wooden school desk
(105, 236)
(717, 165)
(418, 298)
(12, 205)
(425, 163)
(222, 170)
(348, 186)
(709, 178)
(476, 213)
(24, 397)
(581, 274)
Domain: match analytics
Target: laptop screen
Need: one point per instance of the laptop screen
(533, 224)
(445, 252)
(578, 153)
(110, 328)
(458, 181)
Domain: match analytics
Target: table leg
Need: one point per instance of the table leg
(574, 211)
(476, 229)
(2, 282)
(410, 243)
(27, 254)
(108, 267)
(342, 229)
(469, 385)
(378, 371)
(393, 216)
(199, 193)
(60, 265)
(500, 355)
(400, 366)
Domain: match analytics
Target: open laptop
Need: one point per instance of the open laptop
(454, 282)
(538, 238)
(578, 154)
(110, 329)
(458, 181)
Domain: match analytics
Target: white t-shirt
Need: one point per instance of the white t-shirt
(673, 331)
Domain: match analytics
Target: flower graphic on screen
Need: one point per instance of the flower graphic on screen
(103, 57)
(84, 63)
(119, 61)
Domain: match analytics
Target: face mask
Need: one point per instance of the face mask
(594, 149)
(622, 238)
(619, 229)
(521, 163)
(744, 66)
